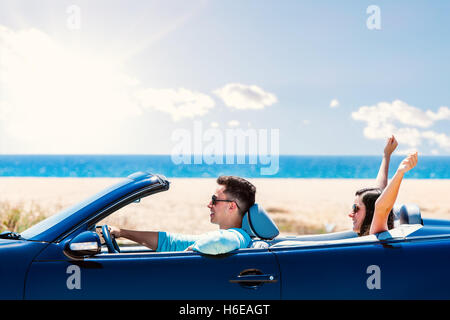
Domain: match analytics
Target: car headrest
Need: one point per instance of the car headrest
(407, 213)
(257, 223)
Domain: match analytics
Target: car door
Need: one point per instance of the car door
(243, 274)
(341, 271)
(423, 270)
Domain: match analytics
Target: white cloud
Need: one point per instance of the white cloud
(334, 103)
(399, 111)
(442, 114)
(384, 119)
(233, 123)
(240, 96)
(441, 139)
(435, 152)
(405, 151)
(181, 103)
(408, 136)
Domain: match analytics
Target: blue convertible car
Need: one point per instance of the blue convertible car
(67, 257)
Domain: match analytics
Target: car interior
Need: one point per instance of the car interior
(407, 220)
(265, 234)
(257, 223)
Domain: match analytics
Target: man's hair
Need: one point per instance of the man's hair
(369, 197)
(239, 190)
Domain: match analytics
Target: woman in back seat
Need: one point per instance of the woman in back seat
(372, 208)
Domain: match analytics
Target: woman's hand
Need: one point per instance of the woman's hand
(391, 145)
(408, 163)
(382, 176)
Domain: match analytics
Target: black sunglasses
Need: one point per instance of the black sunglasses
(214, 200)
(355, 208)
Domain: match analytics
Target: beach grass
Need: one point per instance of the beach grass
(17, 217)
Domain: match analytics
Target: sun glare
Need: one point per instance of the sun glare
(62, 96)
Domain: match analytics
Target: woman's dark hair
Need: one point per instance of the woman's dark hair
(369, 196)
(240, 190)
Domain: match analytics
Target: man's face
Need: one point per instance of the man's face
(219, 212)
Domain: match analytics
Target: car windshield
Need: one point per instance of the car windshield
(53, 220)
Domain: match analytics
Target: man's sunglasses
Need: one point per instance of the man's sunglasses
(214, 200)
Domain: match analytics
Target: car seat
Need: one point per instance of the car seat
(257, 223)
(407, 214)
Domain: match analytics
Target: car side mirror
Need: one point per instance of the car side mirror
(83, 245)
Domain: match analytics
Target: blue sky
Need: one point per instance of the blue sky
(123, 76)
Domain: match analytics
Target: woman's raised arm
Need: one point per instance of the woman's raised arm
(382, 177)
(385, 202)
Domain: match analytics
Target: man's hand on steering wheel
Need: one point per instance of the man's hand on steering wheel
(115, 231)
(109, 236)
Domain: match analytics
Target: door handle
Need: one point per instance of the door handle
(253, 277)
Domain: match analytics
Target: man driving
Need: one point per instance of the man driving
(231, 200)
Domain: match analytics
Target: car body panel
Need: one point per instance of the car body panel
(327, 272)
(406, 267)
(152, 275)
(15, 259)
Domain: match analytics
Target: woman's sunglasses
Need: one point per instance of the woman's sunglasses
(355, 208)
(214, 200)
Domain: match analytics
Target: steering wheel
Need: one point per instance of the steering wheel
(110, 241)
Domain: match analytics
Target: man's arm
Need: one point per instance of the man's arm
(146, 238)
(221, 241)
(382, 177)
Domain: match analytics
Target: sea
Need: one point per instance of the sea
(284, 166)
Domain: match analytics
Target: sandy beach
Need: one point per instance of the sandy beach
(298, 206)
